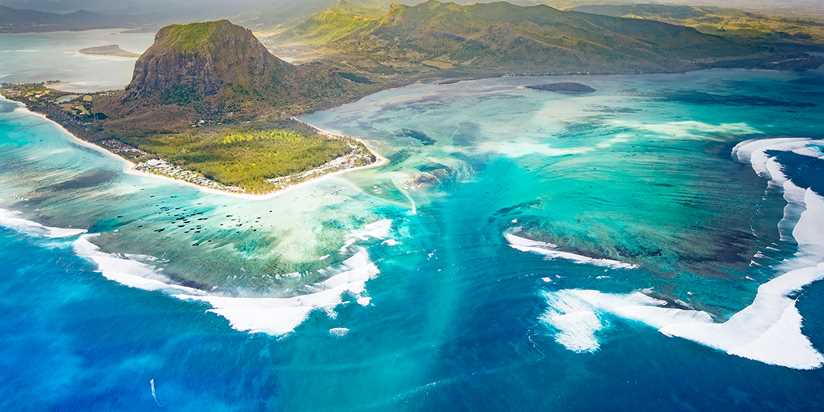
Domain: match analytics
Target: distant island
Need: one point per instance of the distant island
(210, 105)
(112, 50)
(563, 88)
(26, 21)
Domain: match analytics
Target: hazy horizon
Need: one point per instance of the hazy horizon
(198, 8)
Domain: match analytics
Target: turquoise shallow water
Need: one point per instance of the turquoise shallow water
(438, 310)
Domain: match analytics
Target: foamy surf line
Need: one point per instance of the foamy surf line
(15, 220)
(127, 271)
(274, 316)
(550, 251)
(768, 330)
(280, 316)
(805, 208)
(376, 230)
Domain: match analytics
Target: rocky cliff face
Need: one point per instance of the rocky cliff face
(217, 68)
(205, 60)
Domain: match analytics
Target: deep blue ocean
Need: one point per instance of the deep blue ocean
(656, 245)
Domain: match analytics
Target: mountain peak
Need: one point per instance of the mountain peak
(207, 65)
(194, 36)
(220, 70)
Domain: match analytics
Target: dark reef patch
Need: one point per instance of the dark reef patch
(702, 98)
(563, 88)
(420, 136)
(466, 133)
(91, 179)
(537, 203)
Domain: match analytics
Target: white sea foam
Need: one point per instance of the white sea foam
(689, 130)
(275, 316)
(575, 321)
(280, 316)
(126, 270)
(810, 151)
(809, 232)
(802, 216)
(754, 152)
(14, 220)
(520, 149)
(375, 230)
(339, 331)
(551, 252)
(768, 330)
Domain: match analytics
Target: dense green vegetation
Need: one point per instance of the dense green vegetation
(180, 95)
(189, 37)
(219, 69)
(245, 158)
(216, 73)
(498, 38)
(337, 23)
(194, 87)
(726, 22)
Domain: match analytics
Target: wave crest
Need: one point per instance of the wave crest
(550, 251)
(769, 330)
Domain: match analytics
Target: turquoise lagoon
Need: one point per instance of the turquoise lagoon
(521, 250)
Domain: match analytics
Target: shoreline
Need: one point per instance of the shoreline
(380, 160)
(130, 167)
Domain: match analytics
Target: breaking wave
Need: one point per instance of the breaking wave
(14, 220)
(768, 330)
(274, 316)
(280, 316)
(550, 251)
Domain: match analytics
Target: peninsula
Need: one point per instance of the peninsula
(112, 50)
(210, 105)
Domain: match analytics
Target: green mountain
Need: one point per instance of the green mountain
(209, 104)
(726, 22)
(497, 38)
(337, 23)
(221, 70)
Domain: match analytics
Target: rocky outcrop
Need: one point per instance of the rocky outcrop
(217, 68)
(206, 63)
